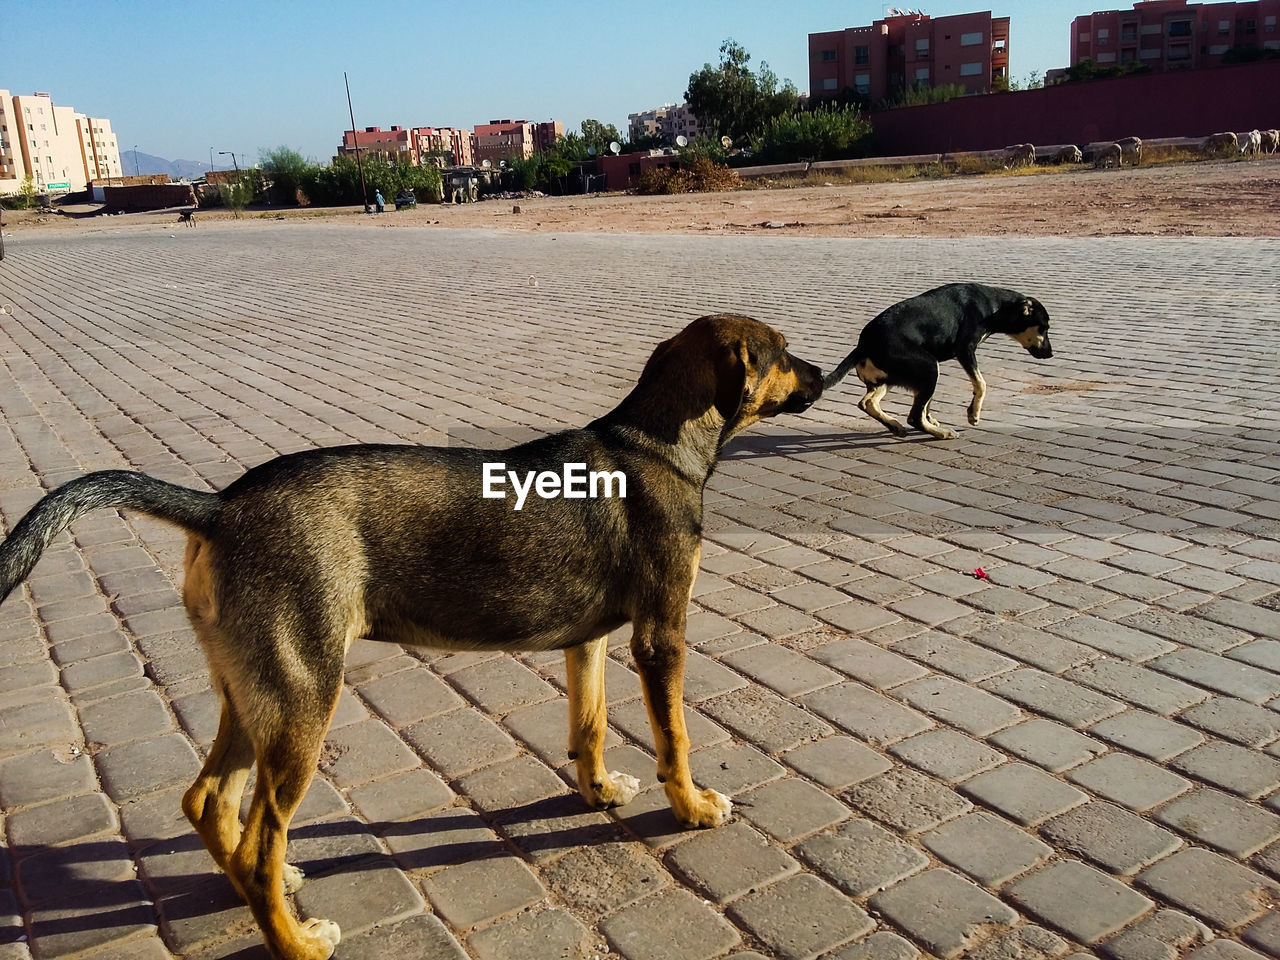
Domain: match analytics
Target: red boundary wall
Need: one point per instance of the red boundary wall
(1185, 103)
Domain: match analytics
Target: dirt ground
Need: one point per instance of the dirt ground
(1234, 198)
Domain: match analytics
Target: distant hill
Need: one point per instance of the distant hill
(177, 169)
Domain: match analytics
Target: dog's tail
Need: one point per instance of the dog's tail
(193, 510)
(855, 357)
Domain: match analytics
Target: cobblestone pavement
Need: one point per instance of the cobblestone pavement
(1078, 755)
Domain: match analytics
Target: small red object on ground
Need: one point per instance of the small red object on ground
(980, 573)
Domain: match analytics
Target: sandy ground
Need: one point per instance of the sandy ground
(1239, 198)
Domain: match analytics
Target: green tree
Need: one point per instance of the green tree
(28, 192)
(287, 171)
(732, 100)
(827, 132)
(599, 135)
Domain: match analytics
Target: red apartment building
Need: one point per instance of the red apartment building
(908, 49)
(415, 143)
(1173, 34)
(501, 139)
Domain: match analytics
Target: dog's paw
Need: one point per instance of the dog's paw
(897, 429)
(709, 808)
(974, 416)
(942, 433)
(322, 936)
(293, 878)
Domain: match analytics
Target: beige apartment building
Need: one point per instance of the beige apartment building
(60, 150)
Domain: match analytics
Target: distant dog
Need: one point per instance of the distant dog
(187, 216)
(903, 346)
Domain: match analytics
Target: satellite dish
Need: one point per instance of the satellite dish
(615, 147)
(682, 141)
(726, 142)
(591, 151)
(486, 164)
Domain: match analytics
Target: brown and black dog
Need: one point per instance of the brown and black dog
(305, 553)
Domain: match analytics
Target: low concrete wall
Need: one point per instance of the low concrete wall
(154, 196)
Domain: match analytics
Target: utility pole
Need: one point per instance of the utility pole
(355, 139)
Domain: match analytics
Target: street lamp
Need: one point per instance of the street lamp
(137, 170)
(211, 159)
(231, 154)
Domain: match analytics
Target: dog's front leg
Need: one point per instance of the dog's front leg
(587, 720)
(969, 361)
(659, 655)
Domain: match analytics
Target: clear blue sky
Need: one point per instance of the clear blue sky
(177, 78)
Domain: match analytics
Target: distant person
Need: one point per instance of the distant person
(379, 203)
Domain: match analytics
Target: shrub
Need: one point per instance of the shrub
(827, 132)
(700, 176)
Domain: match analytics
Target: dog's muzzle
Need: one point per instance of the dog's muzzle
(1041, 353)
(798, 403)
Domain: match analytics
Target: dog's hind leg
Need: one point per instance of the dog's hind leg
(287, 723)
(587, 724)
(659, 653)
(870, 405)
(926, 380)
(212, 804)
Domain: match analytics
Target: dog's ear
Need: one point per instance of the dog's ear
(734, 380)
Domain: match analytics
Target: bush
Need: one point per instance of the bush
(287, 170)
(827, 132)
(700, 176)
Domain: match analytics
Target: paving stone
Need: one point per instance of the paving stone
(61, 821)
(1162, 936)
(942, 911)
(907, 800)
(142, 766)
(1070, 703)
(455, 743)
(1222, 821)
(370, 893)
(1145, 688)
(801, 917)
(44, 723)
(1110, 837)
(1231, 767)
(1215, 889)
(836, 762)
(598, 879)
(783, 670)
(1131, 782)
(1047, 744)
(66, 873)
(409, 695)
(987, 848)
(445, 838)
(1116, 639)
(861, 857)
(959, 658)
(1148, 734)
(1023, 793)
(730, 861)
(633, 720)
(76, 926)
(733, 768)
(364, 751)
(947, 754)
(866, 714)
(1035, 647)
(1084, 903)
(959, 704)
(548, 933)
(510, 785)
(1222, 674)
(1235, 720)
(468, 894)
(765, 719)
(422, 937)
(790, 809)
(401, 796)
(879, 946)
(673, 925)
(1027, 942)
(501, 685)
(203, 915)
(1265, 934)
(1223, 950)
(871, 664)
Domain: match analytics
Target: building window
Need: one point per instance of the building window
(1179, 52)
(1224, 26)
(970, 39)
(828, 56)
(1128, 31)
(970, 69)
(922, 47)
(1128, 55)
(1180, 28)
(1104, 35)
(1084, 37)
(1250, 27)
(1269, 24)
(861, 54)
(862, 83)
(829, 83)
(922, 76)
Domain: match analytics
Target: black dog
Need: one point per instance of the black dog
(903, 346)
